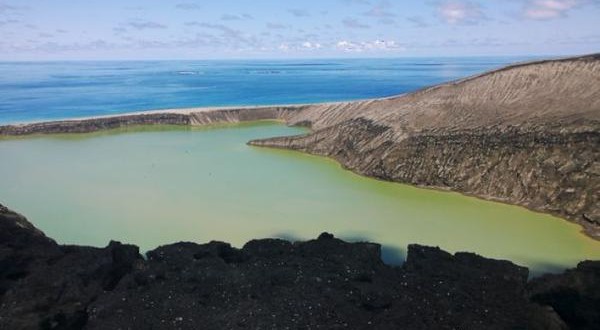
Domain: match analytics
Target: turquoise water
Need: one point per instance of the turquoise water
(157, 185)
(31, 91)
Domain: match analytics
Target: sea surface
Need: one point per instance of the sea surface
(157, 185)
(34, 91)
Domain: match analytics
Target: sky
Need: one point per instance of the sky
(227, 29)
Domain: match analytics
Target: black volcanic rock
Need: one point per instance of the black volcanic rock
(47, 286)
(323, 283)
(575, 295)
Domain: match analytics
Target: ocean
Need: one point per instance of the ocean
(35, 91)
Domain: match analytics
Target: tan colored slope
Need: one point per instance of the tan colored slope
(566, 91)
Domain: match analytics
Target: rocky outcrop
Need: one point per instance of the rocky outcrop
(95, 124)
(182, 117)
(323, 283)
(526, 134)
(44, 285)
(575, 295)
(236, 115)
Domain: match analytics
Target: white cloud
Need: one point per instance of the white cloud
(548, 9)
(365, 46)
(347, 46)
(457, 12)
(311, 45)
(385, 45)
(303, 46)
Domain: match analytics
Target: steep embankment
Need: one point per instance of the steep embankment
(527, 134)
(324, 283)
(183, 117)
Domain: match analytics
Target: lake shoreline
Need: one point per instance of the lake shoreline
(225, 116)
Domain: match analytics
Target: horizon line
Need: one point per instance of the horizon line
(289, 58)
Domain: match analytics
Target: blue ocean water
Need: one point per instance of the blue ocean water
(32, 91)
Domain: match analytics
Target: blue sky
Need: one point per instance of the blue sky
(193, 29)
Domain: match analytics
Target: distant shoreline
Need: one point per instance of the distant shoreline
(198, 116)
(183, 110)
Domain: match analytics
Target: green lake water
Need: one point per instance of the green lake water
(158, 185)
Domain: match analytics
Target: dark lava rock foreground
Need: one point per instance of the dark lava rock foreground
(274, 284)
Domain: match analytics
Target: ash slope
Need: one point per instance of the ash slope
(527, 134)
(276, 284)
